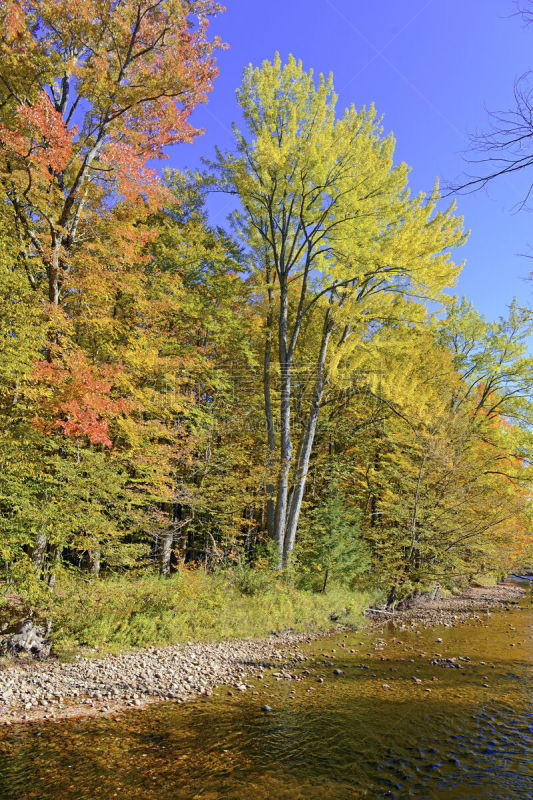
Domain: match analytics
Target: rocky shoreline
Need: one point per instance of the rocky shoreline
(51, 690)
(452, 610)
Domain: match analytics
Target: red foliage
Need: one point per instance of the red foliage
(40, 137)
(138, 68)
(76, 399)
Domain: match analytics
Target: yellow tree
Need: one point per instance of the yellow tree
(329, 224)
(442, 477)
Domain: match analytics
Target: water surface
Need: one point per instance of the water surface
(466, 736)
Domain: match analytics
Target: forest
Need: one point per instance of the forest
(296, 402)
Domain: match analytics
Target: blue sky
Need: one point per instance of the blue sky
(432, 68)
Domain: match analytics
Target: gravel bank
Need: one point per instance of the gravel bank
(449, 611)
(51, 690)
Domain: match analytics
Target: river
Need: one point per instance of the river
(392, 724)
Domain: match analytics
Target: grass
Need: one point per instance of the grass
(114, 614)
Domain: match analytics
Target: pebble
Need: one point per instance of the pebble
(176, 672)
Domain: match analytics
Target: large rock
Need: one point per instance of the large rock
(417, 599)
(26, 637)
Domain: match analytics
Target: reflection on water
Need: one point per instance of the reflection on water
(375, 731)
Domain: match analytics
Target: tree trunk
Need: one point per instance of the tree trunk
(38, 554)
(165, 550)
(93, 562)
(285, 423)
(270, 502)
(53, 556)
(415, 508)
(391, 597)
(306, 447)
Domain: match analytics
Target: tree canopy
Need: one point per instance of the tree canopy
(300, 387)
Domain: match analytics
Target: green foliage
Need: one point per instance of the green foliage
(149, 610)
(331, 548)
(251, 580)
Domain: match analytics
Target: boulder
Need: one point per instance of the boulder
(26, 637)
(417, 598)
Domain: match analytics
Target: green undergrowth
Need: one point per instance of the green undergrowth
(487, 578)
(113, 614)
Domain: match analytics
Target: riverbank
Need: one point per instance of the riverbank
(51, 690)
(453, 609)
(119, 613)
(37, 691)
